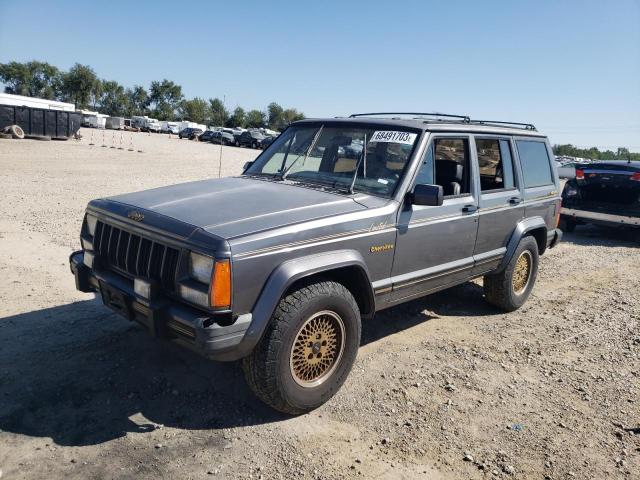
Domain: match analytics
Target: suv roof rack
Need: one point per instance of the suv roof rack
(525, 126)
(447, 117)
(461, 118)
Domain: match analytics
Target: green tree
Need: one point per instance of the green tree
(96, 94)
(292, 115)
(166, 98)
(33, 79)
(195, 110)
(255, 119)
(113, 100)
(218, 115)
(139, 101)
(594, 153)
(275, 116)
(78, 83)
(237, 120)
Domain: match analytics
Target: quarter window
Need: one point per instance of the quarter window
(496, 165)
(534, 159)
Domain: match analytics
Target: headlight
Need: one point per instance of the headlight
(91, 224)
(200, 267)
(570, 192)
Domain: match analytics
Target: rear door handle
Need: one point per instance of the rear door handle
(469, 208)
(515, 200)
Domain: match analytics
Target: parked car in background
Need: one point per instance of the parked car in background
(602, 193)
(224, 138)
(251, 138)
(190, 133)
(266, 141)
(206, 136)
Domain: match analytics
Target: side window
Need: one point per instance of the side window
(451, 164)
(534, 159)
(496, 165)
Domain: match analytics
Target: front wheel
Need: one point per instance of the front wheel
(510, 288)
(307, 350)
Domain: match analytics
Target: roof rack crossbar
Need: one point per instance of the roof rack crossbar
(463, 118)
(525, 126)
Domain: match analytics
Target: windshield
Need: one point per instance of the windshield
(329, 155)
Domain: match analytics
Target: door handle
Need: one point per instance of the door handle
(515, 200)
(469, 208)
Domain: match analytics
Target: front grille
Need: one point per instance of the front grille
(135, 255)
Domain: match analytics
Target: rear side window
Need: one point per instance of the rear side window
(534, 160)
(496, 167)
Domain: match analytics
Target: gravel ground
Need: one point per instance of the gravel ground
(444, 387)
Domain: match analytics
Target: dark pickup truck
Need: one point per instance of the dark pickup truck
(602, 193)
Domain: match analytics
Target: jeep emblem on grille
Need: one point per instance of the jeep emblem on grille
(135, 216)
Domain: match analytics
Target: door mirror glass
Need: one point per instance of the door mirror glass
(429, 195)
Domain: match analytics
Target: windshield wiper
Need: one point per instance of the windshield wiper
(363, 157)
(285, 172)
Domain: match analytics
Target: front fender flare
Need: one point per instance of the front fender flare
(286, 275)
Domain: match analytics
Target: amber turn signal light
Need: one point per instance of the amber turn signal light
(221, 285)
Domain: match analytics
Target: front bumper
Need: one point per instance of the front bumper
(164, 317)
(600, 217)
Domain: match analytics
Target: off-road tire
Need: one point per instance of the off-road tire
(16, 131)
(567, 224)
(498, 287)
(268, 370)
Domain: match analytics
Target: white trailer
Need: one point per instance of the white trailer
(115, 123)
(22, 101)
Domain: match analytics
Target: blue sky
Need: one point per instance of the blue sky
(571, 67)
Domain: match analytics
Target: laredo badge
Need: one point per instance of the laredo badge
(381, 248)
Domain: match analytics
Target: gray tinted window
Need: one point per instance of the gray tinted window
(535, 163)
(494, 160)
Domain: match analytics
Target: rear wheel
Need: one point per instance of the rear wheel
(308, 349)
(510, 288)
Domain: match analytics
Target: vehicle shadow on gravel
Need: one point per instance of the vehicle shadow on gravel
(590, 235)
(460, 301)
(83, 376)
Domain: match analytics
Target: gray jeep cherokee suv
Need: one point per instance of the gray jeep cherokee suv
(279, 266)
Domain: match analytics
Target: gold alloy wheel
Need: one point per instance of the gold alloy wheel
(317, 349)
(522, 272)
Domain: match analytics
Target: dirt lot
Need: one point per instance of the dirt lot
(444, 387)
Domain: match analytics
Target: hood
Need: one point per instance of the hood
(236, 206)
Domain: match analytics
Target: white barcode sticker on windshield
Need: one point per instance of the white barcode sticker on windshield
(389, 136)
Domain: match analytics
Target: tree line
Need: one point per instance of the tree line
(595, 154)
(163, 100)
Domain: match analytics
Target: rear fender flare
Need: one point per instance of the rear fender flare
(289, 272)
(522, 229)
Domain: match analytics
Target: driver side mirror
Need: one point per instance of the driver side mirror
(246, 166)
(428, 195)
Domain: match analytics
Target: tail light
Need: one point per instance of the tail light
(579, 174)
(559, 207)
(635, 177)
